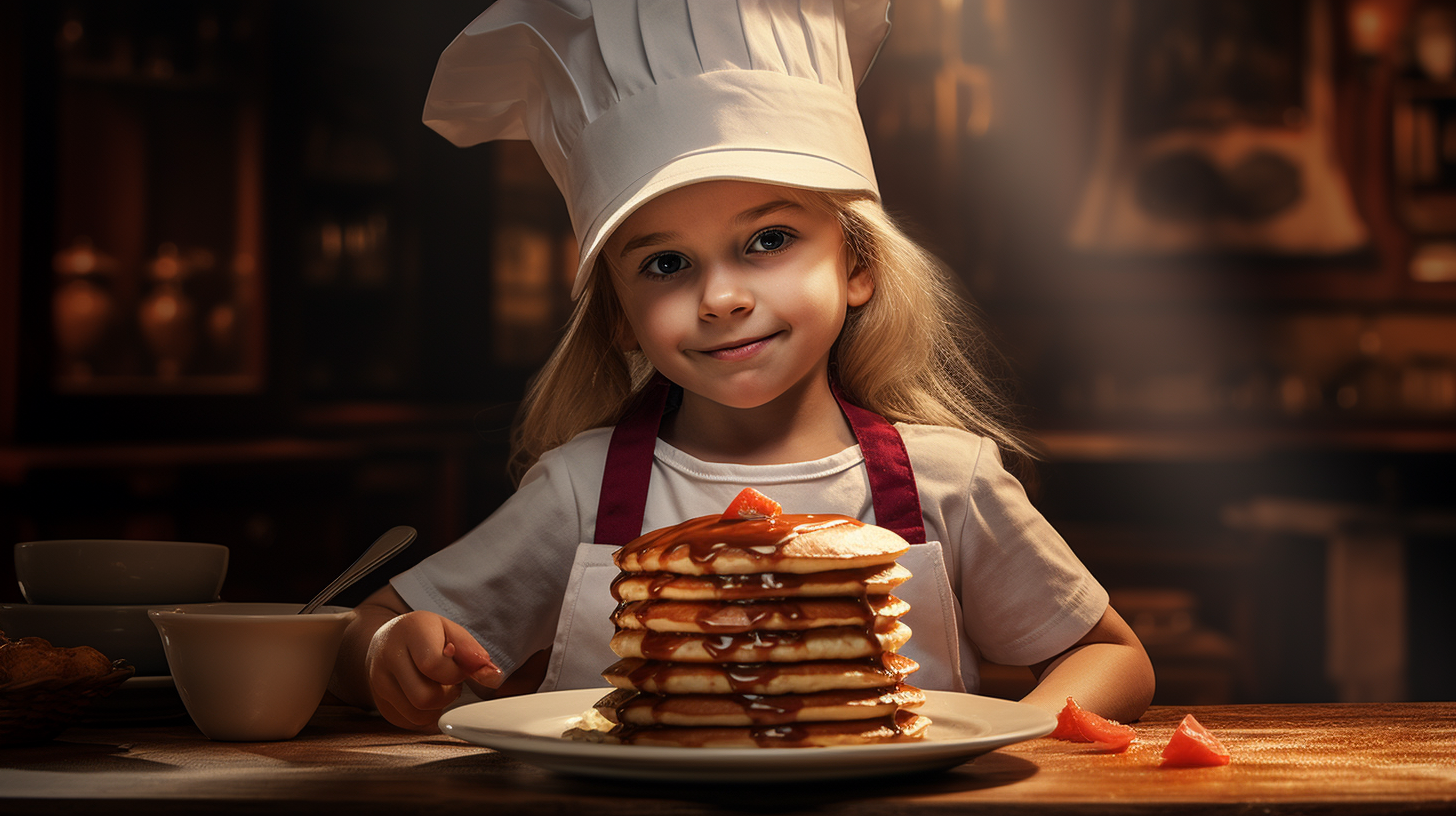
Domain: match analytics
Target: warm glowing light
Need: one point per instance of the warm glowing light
(331, 240)
(168, 265)
(165, 307)
(1434, 263)
(1371, 27)
(72, 32)
(1435, 42)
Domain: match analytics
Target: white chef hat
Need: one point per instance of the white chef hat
(627, 99)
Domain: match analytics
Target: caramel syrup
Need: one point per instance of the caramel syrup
(703, 539)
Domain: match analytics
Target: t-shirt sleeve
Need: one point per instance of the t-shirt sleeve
(1025, 596)
(504, 580)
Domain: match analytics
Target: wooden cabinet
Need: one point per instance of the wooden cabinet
(228, 214)
(139, 270)
(245, 294)
(1196, 356)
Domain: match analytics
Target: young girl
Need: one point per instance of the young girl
(746, 315)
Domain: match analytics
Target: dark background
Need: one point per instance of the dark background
(365, 302)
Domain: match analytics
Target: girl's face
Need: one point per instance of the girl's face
(733, 290)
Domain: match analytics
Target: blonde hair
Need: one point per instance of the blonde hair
(913, 353)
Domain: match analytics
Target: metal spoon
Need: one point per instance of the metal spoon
(384, 548)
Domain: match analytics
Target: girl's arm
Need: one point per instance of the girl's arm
(350, 682)
(407, 664)
(1107, 671)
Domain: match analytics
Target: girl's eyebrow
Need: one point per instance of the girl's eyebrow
(645, 240)
(751, 214)
(764, 209)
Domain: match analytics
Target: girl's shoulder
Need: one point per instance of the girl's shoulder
(931, 436)
(586, 449)
(943, 448)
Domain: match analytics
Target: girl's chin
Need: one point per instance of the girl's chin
(729, 394)
(737, 400)
(740, 393)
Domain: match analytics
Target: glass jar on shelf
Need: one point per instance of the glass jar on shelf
(83, 307)
(167, 316)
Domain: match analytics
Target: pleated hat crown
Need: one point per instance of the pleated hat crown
(627, 99)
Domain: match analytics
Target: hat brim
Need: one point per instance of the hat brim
(797, 170)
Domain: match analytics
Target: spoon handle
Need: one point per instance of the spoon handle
(384, 548)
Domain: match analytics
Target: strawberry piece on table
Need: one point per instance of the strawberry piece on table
(1192, 746)
(1076, 724)
(752, 504)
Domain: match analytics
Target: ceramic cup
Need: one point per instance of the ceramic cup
(119, 572)
(251, 671)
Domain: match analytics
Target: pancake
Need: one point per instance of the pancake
(792, 543)
(637, 708)
(903, 726)
(758, 628)
(647, 586)
(661, 677)
(831, 643)
(719, 617)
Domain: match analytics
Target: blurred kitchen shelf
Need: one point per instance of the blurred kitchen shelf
(1235, 444)
(313, 500)
(17, 462)
(352, 416)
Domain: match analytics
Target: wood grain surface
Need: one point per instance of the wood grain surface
(1307, 759)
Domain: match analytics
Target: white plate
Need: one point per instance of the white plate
(529, 728)
(139, 701)
(147, 682)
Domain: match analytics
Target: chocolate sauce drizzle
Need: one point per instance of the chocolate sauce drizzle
(751, 585)
(704, 539)
(755, 619)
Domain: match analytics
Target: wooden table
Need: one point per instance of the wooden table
(1343, 758)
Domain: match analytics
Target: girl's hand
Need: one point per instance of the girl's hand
(416, 663)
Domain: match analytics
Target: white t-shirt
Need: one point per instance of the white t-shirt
(1022, 595)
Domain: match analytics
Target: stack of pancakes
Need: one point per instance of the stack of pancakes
(775, 631)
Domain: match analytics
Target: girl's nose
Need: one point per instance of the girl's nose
(725, 294)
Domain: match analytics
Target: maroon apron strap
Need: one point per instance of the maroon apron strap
(628, 470)
(892, 480)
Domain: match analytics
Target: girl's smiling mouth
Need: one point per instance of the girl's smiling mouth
(739, 350)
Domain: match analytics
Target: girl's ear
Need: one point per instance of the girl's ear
(861, 285)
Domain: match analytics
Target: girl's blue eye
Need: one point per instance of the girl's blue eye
(770, 240)
(665, 264)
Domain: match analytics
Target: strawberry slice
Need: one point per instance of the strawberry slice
(1192, 746)
(751, 504)
(1076, 724)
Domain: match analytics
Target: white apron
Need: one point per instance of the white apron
(581, 649)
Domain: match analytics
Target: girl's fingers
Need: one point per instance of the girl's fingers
(412, 702)
(429, 658)
(424, 692)
(410, 677)
(417, 664)
(392, 713)
(469, 657)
